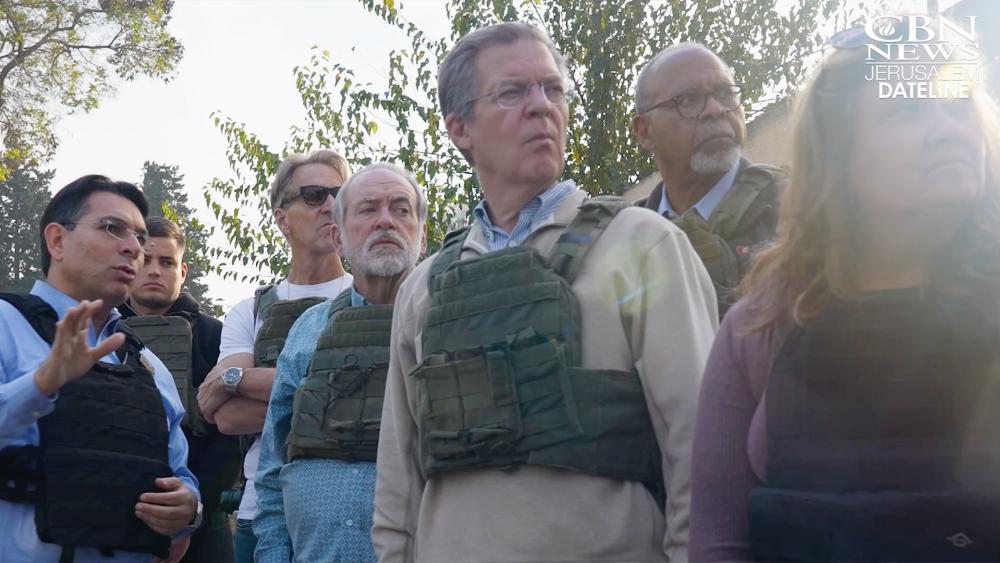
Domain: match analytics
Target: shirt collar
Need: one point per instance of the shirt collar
(708, 202)
(60, 302)
(557, 191)
(358, 300)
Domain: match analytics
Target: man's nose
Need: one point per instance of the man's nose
(712, 108)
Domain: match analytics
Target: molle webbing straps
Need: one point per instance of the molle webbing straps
(749, 184)
(277, 320)
(500, 383)
(338, 409)
(449, 253)
(170, 338)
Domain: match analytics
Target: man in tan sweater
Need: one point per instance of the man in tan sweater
(540, 399)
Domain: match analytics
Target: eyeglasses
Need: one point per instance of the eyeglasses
(512, 93)
(313, 196)
(117, 229)
(690, 105)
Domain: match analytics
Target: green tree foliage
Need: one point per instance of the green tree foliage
(606, 44)
(164, 187)
(23, 197)
(67, 53)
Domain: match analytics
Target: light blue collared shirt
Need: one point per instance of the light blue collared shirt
(708, 202)
(22, 350)
(536, 213)
(309, 509)
(358, 300)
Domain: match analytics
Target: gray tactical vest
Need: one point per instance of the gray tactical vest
(338, 408)
(502, 384)
(277, 317)
(171, 340)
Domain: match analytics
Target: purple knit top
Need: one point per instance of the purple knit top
(730, 443)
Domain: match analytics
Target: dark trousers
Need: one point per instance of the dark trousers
(245, 541)
(213, 542)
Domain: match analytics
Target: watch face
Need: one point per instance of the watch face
(232, 375)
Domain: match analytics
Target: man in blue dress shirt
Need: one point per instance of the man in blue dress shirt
(320, 508)
(92, 237)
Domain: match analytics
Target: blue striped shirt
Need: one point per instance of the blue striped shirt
(537, 212)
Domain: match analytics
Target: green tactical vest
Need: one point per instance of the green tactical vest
(501, 383)
(277, 318)
(171, 340)
(745, 219)
(338, 408)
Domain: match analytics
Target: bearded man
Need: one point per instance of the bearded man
(316, 495)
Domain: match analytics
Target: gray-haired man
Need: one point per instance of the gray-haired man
(534, 411)
(316, 494)
(689, 117)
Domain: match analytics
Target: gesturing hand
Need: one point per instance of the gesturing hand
(71, 356)
(166, 513)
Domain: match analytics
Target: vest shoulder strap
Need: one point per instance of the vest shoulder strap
(750, 184)
(340, 302)
(590, 222)
(39, 314)
(449, 253)
(262, 297)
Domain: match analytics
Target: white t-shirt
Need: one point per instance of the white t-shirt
(238, 333)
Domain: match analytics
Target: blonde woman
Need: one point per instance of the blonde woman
(850, 403)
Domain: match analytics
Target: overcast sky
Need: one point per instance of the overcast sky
(238, 59)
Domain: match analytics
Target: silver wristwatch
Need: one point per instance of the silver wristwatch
(231, 379)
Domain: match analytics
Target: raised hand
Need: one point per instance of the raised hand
(71, 356)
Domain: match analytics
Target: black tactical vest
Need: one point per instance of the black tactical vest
(171, 340)
(501, 383)
(277, 317)
(338, 408)
(103, 446)
(882, 436)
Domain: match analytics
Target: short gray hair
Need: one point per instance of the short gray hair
(642, 100)
(457, 79)
(331, 158)
(339, 205)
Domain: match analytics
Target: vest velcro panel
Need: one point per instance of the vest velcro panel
(501, 383)
(277, 320)
(337, 410)
(170, 338)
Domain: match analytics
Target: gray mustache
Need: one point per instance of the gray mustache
(714, 128)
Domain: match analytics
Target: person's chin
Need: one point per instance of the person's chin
(546, 171)
(115, 294)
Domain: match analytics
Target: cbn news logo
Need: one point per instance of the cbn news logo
(921, 57)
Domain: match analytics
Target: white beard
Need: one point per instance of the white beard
(384, 262)
(717, 163)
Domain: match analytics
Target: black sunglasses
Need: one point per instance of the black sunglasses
(314, 195)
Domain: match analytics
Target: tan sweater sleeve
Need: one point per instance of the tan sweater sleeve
(399, 482)
(671, 336)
